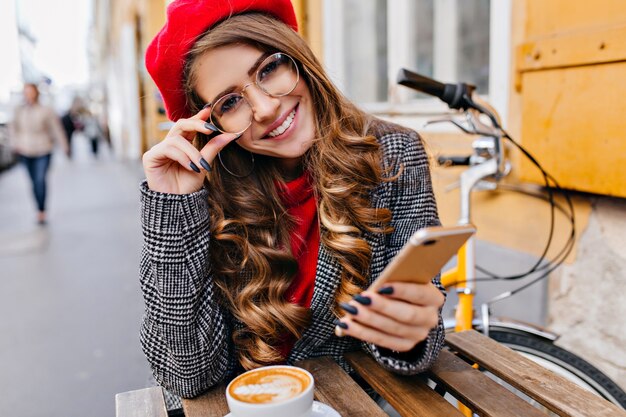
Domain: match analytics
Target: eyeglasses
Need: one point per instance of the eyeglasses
(277, 76)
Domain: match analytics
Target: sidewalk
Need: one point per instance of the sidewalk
(70, 303)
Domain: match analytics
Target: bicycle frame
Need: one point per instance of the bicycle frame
(462, 276)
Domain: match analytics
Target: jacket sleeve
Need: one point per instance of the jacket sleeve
(184, 334)
(56, 131)
(412, 203)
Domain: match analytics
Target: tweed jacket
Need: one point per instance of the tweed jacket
(186, 336)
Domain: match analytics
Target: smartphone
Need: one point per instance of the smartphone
(423, 256)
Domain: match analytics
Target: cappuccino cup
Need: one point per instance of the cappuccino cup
(271, 391)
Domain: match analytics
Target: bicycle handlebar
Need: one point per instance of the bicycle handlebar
(456, 96)
(450, 160)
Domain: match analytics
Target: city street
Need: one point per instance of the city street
(70, 304)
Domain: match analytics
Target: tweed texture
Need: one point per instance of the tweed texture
(186, 336)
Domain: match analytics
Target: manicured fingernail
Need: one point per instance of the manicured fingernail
(205, 165)
(341, 324)
(349, 308)
(386, 291)
(194, 167)
(361, 299)
(210, 126)
(238, 136)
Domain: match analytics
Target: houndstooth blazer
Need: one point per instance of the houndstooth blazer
(186, 337)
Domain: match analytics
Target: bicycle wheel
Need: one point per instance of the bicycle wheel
(562, 362)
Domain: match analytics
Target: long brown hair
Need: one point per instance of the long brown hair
(249, 224)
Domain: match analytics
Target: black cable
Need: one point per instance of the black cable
(553, 265)
(549, 265)
(539, 278)
(495, 123)
(537, 266)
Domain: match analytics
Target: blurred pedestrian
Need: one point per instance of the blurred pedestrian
(91, 129)
(33, 131)
(71, 121)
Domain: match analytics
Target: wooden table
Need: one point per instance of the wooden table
(411, 396)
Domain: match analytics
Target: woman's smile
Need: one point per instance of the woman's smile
(282, 127)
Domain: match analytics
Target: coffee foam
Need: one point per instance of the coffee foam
(269, 385)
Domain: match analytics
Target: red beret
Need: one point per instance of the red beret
(186, 21)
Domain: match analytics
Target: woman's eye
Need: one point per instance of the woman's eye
(230, 104)
(267, 70)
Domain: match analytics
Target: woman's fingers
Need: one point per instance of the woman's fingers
(174, 148)
(370, 318)
(197, 123)
(397, 320)
(348, 327)
(402, 311)
(211, 149)
(417, 294)
(192, 153)
(187, 128)
(204, 157)
(174, 153)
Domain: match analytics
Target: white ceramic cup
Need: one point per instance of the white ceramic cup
(271, 391)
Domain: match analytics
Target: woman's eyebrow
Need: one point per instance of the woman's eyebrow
(254, 67)
(251, 71)
(222, 94)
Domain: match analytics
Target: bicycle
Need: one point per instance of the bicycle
(487, 165)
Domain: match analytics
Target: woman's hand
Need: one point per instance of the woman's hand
(174, 165)
(398, 317)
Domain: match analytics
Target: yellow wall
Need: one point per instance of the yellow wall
(310, 24)
(152, 14)
(145, 17)
(570, 76)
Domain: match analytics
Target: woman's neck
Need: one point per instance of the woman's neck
(291, 168)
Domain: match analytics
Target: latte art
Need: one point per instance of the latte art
(272, 385)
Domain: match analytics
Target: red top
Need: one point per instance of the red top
(300, 203)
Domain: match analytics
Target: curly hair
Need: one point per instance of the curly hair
(250, 227)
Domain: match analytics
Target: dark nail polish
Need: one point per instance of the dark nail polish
(341, 324)
(210, 126)
(386, 291)
(205, 165)
(194, 167)
(349, 308)
(361, 299)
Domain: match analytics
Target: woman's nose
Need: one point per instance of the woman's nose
(264, 107)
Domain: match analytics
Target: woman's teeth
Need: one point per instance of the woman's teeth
(281, 129)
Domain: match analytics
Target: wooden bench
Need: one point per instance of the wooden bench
(411, 395)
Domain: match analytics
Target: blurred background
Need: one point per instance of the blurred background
(70, 303)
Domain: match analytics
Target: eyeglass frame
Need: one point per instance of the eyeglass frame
(256, 81)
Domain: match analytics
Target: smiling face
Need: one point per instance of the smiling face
(282, 127)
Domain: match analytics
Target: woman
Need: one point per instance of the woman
(33, 131)
(261, 241)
